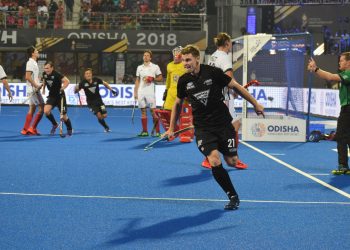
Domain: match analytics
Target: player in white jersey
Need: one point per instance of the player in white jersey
(146, 75)
(33, 93)
(3, 78)
(222, 59)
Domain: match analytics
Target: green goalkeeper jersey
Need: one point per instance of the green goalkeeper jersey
(344, 91)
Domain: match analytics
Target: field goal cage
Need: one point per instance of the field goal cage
(278, 63)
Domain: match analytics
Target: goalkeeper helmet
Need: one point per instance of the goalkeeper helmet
(177, 52)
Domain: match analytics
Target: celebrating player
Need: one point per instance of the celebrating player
(222, 59)
(343, 125)
(144, 92)
(3, 78)
(90, 85)
(33, 93)
(56, 83)
(202, 85)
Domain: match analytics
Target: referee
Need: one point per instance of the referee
(202, 85)
(55, 83)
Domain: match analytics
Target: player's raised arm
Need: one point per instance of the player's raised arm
(312, 67)
(259, 109)
(106, 84)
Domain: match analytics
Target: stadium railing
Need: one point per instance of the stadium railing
(108, 21)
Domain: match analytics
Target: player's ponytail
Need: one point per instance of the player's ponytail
(221, 39)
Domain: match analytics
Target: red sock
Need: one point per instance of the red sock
(156, 121)
(37, 119)
(144, 123)
(29, 118)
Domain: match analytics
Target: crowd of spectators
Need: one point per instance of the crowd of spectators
(145, 14)
(336, 43)
(98, 14)
(40, 14)
(290, 2)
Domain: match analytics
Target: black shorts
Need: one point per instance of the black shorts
(55, 101)
(98, 107)
(222, 139)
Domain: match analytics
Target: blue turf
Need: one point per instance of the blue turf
(93, 163)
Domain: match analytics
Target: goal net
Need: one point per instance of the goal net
(278, 63)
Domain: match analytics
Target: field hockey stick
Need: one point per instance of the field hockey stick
(61, 117)
(80, 103)
(78, 94)
(133, 112)
(252, 83)
(166, 137)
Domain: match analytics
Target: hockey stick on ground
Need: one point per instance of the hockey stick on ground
(133, 112)
(150, 146)
(61, 117)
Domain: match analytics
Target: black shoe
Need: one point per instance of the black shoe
(233, 203)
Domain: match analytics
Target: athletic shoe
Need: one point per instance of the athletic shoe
(205, 163)
(24, 132)
(233, 204)
(33, 131)
(341, 170)
(143, 134)
(107, 130)
(53, 129)
(156, 135)
(241, 165)
(69, 132)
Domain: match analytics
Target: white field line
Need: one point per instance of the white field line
(297, 170)
(165, 198)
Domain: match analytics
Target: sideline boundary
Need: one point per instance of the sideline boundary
(165, 198)
(337, 190)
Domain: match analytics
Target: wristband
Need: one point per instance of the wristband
(317, 69)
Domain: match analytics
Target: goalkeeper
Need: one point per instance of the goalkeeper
(175, 69)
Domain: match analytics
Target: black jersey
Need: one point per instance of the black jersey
(92, 90)
(204, 92)
(53, 82)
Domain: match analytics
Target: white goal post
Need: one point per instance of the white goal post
(278, 63)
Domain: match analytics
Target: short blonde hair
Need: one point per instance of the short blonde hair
(191, 49)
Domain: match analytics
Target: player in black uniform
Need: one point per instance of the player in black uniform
(202, 85)
(55, 83)
(90, 85)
